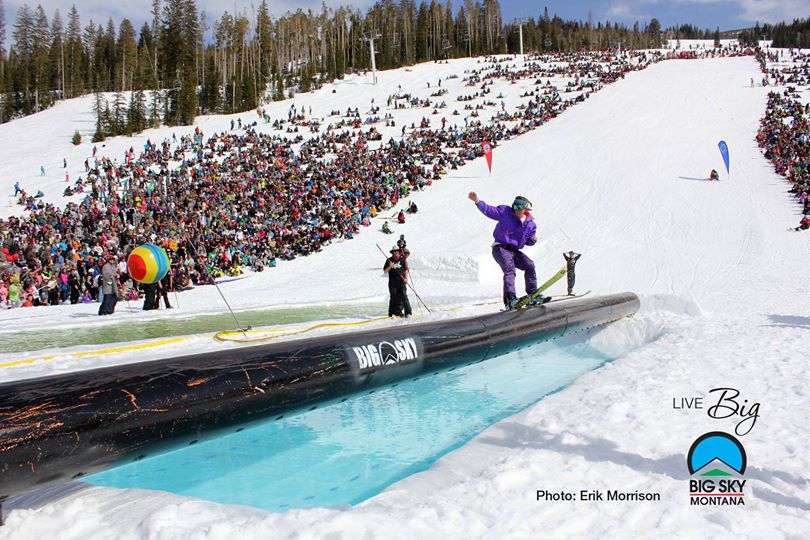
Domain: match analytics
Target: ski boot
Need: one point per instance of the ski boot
(539, 300)
(510, 303)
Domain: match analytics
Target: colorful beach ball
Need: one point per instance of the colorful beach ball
(148, 263)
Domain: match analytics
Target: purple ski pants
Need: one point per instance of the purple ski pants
(508, 260)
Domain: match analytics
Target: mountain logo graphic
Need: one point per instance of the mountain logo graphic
(388, 353)
(716, 454)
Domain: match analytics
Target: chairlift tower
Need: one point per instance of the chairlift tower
(446, 46)
(370, 40)
(520, 22)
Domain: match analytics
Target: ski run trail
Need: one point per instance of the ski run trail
(619, 178)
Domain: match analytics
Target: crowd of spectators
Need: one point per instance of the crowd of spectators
(784, 132)
(245, 198)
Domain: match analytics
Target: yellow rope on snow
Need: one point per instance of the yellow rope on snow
(283, 332)
(223, 336)
(83, 354)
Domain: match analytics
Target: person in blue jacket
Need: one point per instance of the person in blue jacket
(515, 230)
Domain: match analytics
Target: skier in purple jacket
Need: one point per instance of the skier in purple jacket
(515, 229)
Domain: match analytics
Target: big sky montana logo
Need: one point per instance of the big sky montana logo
(372, 356)
(717, 462)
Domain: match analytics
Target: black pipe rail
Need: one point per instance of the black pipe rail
(54, 429)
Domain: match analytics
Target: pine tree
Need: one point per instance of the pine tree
(189, 101)
(155, 109)
(89, 39)
(264, 37)
(74, 65)
(119, 115)
(99, 108)
(6, 107)
(40, 46)
(56, 55)
(211, 96)
(178, 49)
(127, 56)
(278, 94)
(654, 31)
(136, 115)
(24, 51)
(2, 40)
(155, 32)
(146, 45)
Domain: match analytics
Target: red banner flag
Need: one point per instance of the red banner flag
(488, 154)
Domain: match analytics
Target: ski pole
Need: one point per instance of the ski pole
(239, 327)
(418, 297)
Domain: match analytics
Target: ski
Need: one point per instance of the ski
(564, 297)
(524, 300)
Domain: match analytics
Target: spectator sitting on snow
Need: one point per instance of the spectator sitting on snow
(265, 194)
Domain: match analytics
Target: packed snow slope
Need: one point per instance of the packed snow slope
(621, 179)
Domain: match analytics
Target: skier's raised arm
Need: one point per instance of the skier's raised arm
(492, 212)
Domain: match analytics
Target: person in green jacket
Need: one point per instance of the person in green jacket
(14, 294)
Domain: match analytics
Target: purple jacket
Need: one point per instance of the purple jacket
(509, 231)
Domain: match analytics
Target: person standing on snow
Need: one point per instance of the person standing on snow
(515, 230)
(397, 271)
(109, 286)
(571, 259)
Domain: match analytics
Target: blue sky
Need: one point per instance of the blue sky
(727, 14)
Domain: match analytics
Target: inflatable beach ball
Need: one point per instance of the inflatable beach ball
(148, 263)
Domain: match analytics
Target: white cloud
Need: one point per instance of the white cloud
(774, 10)
(627, 10)
(744, 10)
(761, 10)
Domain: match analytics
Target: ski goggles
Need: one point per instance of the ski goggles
(520, 204)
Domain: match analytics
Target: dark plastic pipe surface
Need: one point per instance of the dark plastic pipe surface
(54, 429)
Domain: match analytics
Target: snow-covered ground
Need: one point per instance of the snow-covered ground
(620, 178)
(699, 44)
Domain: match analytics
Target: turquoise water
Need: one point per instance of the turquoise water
(347, 452)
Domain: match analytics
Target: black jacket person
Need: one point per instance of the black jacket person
(397, 271)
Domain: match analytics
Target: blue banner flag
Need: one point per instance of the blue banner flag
(724, 152)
